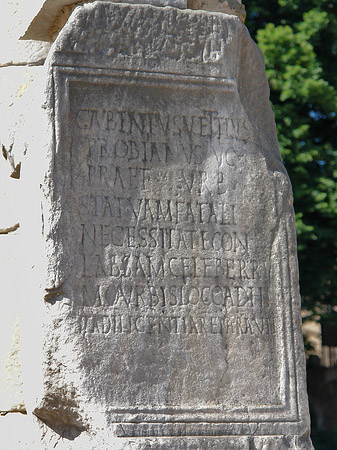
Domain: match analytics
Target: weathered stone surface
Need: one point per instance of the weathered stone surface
(168, 313)
(45, 20)
(48, 17)
(21, 53)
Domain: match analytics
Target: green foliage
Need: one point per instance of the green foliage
(299, 41)
(324, 440)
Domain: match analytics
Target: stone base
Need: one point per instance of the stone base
(32, 434)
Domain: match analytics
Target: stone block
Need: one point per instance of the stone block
(45, 21)
(163, 273)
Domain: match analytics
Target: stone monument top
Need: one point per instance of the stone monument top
(46, 18)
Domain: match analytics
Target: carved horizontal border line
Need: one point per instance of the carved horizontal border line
(233, 432)
(130, 76)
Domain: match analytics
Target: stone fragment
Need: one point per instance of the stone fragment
(23, 53)
(45, 21)
(163, 309)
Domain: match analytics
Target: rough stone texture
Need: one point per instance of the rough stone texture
(48, 18)
(45, 21)
(22, 53)
(164, 285)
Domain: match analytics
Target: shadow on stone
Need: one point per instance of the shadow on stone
(61, 415)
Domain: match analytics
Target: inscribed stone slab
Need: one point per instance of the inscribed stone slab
(171, 306)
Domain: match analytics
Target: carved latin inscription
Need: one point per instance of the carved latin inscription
(164, 283)
(158, 211)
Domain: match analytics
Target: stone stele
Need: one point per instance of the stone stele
(166, 311)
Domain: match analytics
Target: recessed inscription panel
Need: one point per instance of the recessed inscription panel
(172, 289)
(165, 282)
